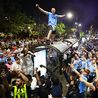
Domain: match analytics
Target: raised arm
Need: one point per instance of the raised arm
(38, 78)
(26, 80)
(46, 68)
(88, 84)
(72, 66)
(61, 16)
(42, 10)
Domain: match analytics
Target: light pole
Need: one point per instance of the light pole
(78, 29)
(78, 25)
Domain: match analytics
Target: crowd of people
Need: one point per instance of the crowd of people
(19, 78)
(83, 74)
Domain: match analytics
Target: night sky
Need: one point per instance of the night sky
(85, 11)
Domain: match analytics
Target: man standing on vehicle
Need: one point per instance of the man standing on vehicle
(52, 21)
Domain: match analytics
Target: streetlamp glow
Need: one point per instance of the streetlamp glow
(80, 25)
(76, 23)
(29, 27)
(69, 15)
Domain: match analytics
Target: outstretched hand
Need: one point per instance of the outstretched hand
(37, 5)
(81, 79)
(41, 66)
(71, 65)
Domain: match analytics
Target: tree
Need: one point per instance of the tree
(63, 30)
(60, 28)
(42, 29)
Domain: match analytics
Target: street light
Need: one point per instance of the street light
(29, 28)
(69, 15)
(80, 25)
(76, 23)
(34, 24)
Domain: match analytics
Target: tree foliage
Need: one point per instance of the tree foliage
(14, 21)
(60, 28)
(63, 30)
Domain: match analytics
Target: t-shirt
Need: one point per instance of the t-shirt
(16, 66)
(82, 86)
(52, 19)
(43, 91)
(56, 91)
(33, 83)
